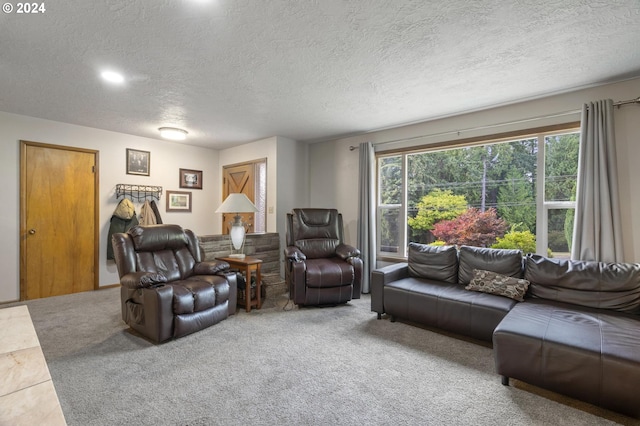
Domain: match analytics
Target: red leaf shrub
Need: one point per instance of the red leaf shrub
(471, 228)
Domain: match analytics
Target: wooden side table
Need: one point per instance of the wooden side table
(248, 264)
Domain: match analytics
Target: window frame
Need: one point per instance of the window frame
(542, 205)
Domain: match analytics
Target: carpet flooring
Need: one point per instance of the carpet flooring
(282, 366)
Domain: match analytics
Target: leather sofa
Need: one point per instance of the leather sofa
(576, 330)
(167, 290)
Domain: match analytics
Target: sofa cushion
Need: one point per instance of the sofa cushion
(433, 262)
(602, 285)
(192, 296)
(329, 272)
(158, 237)
(315, 248)
(502, 261)
(501, 285)
(316, 232)
(446, 306)
(589, 354)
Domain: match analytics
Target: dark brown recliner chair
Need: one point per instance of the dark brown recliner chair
(321, 269)
(167, 290)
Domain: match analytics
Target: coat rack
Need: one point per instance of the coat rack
(138, 192)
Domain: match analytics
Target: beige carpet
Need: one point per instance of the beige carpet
(312, 366)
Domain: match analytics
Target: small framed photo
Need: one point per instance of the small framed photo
(191, 179)
(178, 201)
(138, 162)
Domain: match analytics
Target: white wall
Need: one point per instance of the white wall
(166, 158)
(293, 177)
(333, 176)
(333, 168)
(293, 184)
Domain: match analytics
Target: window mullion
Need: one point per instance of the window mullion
(405, 203)
(542, 220)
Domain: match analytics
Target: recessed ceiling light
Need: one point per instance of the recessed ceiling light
(112, 77)
(173, 133)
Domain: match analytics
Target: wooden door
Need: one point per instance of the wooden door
(58, 214)
(238, 178)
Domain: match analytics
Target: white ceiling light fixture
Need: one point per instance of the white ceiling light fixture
(173, 133)
(112, 77)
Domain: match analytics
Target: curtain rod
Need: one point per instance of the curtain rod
(617, 104)
(630, 101)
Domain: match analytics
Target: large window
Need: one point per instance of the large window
(509, 194)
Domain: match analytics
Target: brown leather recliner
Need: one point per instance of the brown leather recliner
(321, 269)
(167, 290)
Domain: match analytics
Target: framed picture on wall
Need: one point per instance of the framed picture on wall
(178, 201)
(138, 162)
(191, 179)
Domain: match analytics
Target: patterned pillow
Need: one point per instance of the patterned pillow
(494, 283)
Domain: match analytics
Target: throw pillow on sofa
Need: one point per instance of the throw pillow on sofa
(501, 285)
(433, 262)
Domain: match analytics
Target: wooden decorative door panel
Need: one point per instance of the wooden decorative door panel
(239, 178)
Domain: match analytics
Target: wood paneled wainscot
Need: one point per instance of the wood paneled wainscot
(27, 395)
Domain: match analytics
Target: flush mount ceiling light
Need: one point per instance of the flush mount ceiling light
(112, 77)
(173, 133)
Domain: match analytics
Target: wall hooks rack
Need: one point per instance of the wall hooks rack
(138, 192)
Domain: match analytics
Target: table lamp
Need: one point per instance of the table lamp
(237, 203)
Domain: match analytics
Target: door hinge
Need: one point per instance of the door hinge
(93, 169)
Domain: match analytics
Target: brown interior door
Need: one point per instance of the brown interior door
(58, 245)
(238, 178)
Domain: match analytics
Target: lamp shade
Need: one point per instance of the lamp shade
(237, 203)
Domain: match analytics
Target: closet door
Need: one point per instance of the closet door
(58, 214)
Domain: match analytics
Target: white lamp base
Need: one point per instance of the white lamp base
(236, 234)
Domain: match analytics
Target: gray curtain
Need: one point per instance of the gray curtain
(367, 213)
(597, 233)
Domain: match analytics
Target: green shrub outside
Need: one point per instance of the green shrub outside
(522, 240)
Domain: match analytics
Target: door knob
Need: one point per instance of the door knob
(32, 231)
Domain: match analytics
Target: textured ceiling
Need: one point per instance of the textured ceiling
(233, 71)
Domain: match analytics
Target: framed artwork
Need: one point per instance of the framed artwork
(178, 201)
(191, 179)
(138, 162)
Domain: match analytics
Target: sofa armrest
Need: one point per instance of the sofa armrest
(345, 251)
(158, 313)
(293, 254)
(210, 267)
(381, 277)
(232, 279)
(298, 281)
(139, 279)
